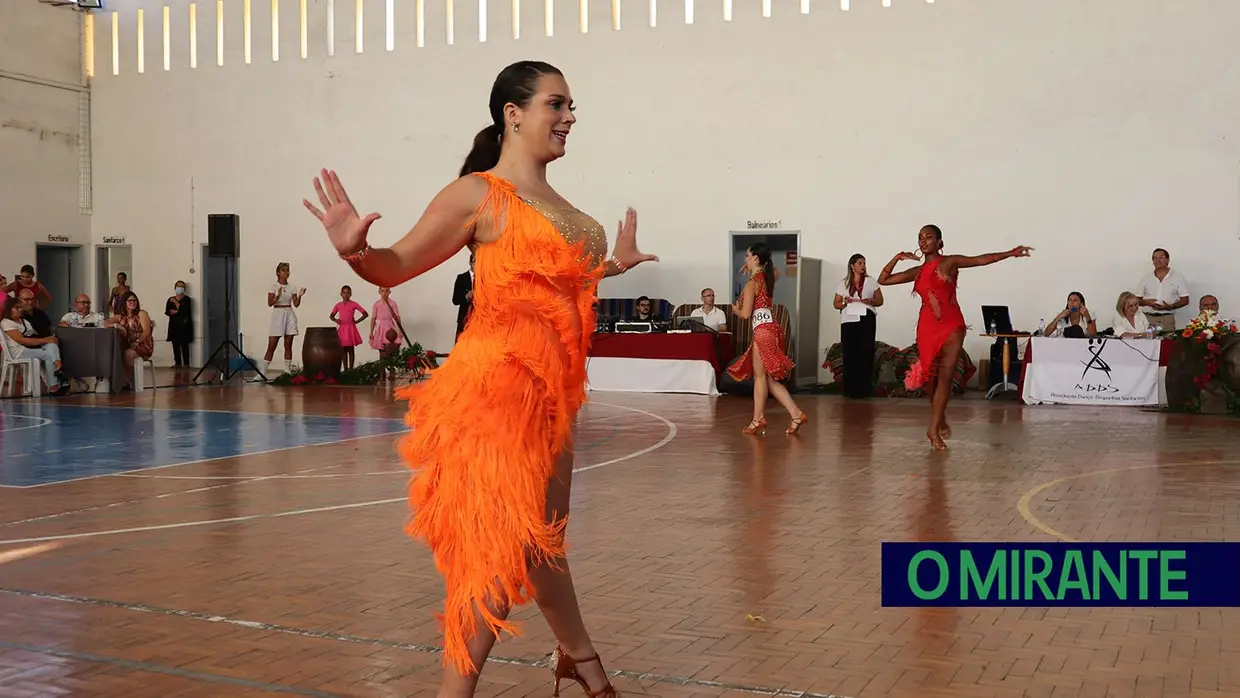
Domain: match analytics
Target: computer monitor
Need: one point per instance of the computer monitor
(998, 317)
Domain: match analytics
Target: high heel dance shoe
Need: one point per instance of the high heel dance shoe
(757, 426)
(797, 421)
(566, 668)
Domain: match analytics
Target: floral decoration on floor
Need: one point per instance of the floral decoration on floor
(411, 363)
(1203, 340)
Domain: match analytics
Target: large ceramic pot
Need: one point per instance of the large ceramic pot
(321, 352)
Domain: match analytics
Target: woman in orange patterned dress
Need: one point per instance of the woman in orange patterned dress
(492, 429)
(766, 359)
(940, 326)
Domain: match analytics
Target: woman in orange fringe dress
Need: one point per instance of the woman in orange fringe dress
(492, 429)
(766, 359)
(940, 326)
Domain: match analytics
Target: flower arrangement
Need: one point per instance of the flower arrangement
(1203, 339)
(413, 362)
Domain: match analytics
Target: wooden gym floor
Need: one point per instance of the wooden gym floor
(236, 542)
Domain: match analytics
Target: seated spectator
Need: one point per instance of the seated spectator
(1074, 320)
(25, 280)
(81, 315)
(21, 343)
(4, 288)
(135, 326)
(38, 319)
(644, 312)
(1208, 304)
(710, 314)
(1130, 322)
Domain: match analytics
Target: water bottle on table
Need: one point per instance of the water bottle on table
(1042, 327)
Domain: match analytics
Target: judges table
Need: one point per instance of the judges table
(93, 352)
(1095, 371)
(676, 362)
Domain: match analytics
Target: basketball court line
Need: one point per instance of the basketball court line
(540, 663)
(44, 423)
(1025, 504)
(671, 434)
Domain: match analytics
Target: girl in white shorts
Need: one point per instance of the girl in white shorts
(282, 298)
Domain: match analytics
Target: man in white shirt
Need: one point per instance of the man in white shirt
(1162, 292)
(710, 314)
(81, 315)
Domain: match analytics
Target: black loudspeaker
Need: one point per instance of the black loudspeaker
(223, 235)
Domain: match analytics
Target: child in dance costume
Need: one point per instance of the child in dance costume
(940, 327)
(344, 314)
(282, 298)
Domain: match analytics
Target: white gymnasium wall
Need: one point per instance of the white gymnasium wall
(41, 88)
(1092, 131)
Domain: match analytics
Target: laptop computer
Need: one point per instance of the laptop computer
(998, 317)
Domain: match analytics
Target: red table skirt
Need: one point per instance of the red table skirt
(1167, 349)
(681, 346)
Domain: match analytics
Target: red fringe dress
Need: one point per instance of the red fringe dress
(933, 332)
(768, 339)
(491, 421)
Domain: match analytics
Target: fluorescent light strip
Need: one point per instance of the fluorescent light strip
(482, 21)
(615, 15)
(389, 39)
(219, 32)
(654, 12)
(359, 25)
(331, 27)
(688, 11)
(450, 11)
(304, 33)
(727, 10)
(583, 16)
(116, 44)
(549, 17)
(88, 45)
(167, 39)
(766, 8)
(516, 19)
(193, 35)
(247, 33)
(420, 8)
(275, 30)
(141, 42)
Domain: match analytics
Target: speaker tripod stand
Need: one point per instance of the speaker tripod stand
(227, 347)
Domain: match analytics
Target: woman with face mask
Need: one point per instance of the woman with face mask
(180, 312)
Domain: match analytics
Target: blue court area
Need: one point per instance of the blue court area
(43, 443)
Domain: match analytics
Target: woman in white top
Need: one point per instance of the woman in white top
(1074, 315)
(1130, 322)
(21, 343)
(856, 298)
(282, 298)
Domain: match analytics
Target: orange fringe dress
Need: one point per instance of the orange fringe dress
(768, 339)
(490, 422)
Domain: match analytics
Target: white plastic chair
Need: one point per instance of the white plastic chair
(139, 377)
(31, 373)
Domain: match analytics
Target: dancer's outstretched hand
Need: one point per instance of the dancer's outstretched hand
(911, 256)
(626, 243)
(346, 230)
(1021, 251)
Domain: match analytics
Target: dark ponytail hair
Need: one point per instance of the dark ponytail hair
(763, 253)
(517, 85)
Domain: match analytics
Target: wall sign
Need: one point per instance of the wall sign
(58, 238)
(113, 241)
(763, 225)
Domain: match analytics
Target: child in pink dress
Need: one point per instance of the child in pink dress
(344, 315)
(384, 318)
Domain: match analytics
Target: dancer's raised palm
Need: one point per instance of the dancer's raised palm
(625, 249)
(346, 230)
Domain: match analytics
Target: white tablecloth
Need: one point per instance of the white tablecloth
(611, 374)
(1101, 371)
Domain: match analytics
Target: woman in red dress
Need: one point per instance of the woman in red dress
(766, 359)
(940, 326)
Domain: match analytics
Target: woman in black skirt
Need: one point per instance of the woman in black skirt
(180, 312)
(856, 298)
